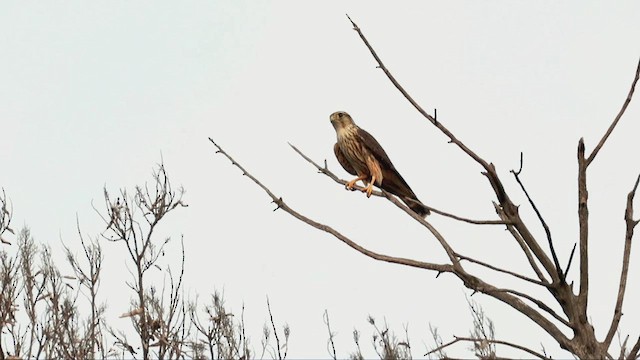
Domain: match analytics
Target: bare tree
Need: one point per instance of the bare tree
(50, 326)
(132, 222)
(42, 307)
(549, 275)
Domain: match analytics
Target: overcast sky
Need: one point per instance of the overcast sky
(94, 94)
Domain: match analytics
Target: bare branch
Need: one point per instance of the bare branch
(583, 220)
(275, 331)
(443, 346)
(539, 303)
(492, 341)
(332, 350)
(566, 271)
(522, 277)
(395, 83)
(630, 225)
(623, 346)
(523, 245)
(516, 174)
(467, 220)
(617, 118)
(633, 354)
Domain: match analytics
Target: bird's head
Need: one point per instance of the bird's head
(341, 120)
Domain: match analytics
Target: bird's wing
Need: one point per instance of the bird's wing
(343, 160)
(392, 181)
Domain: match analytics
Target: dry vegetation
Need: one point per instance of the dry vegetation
(42, 312)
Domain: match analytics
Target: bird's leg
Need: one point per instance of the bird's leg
(369, 188)
(351, 183)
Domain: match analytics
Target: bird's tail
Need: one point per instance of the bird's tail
(417, 207)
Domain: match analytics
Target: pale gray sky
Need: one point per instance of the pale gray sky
(95, 93)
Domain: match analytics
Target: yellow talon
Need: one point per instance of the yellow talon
(351, 184)
(369, 190)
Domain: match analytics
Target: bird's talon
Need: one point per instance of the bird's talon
(368, 190)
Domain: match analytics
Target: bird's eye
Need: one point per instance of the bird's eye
(340, 114)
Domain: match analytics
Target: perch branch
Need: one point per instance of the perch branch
(617, 118)
(630, 225)
(325, 170)
(282, 205)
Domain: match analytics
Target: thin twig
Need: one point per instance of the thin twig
(332, 351)
(516, 174)
(566, 271)
(467, 220)
(539, 303)
(443, 346)
(617, 118)
(522, 277)
(275, 331)
(630, 225)
(623, 346)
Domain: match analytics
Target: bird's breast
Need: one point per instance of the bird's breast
(354, 151)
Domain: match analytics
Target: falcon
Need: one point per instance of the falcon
(360, 154)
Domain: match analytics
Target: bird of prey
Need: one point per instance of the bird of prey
(360, 154)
